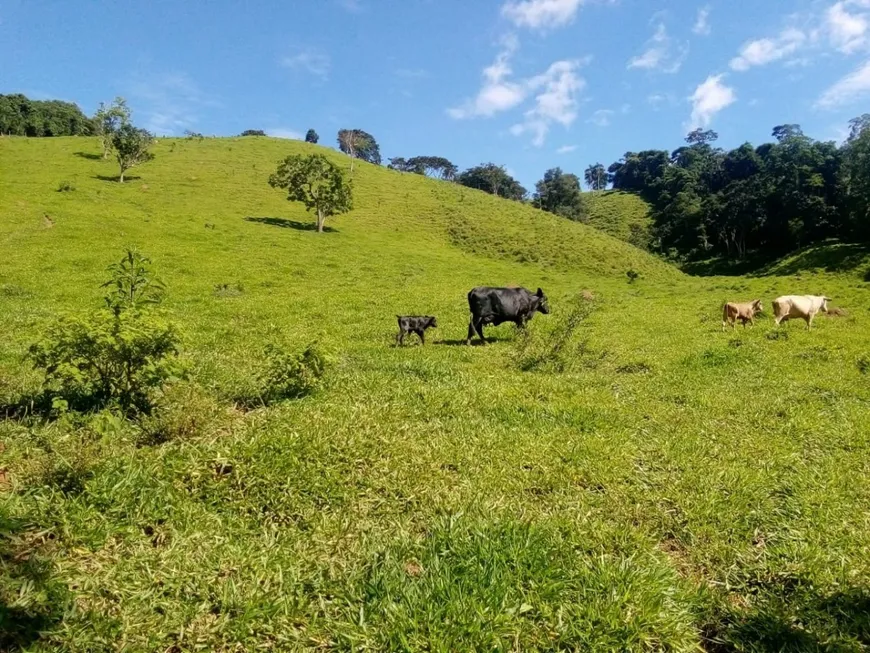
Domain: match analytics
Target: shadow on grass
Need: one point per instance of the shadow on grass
(89, 156)
(26, 575)
(490, 340)
(838, 622)
(115, 178)
(290, 224)
(830, 256)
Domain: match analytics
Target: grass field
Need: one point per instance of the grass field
(654, 484)
(620, 214)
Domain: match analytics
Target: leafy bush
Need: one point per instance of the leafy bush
(552, 347)
(633, 275)
(65, 187)
(107, 358)
(863, 364)
(114, 356)
(291, 376)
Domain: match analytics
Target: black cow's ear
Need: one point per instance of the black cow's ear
(540, 293)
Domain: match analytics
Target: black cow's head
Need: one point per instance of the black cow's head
(433, 323)
(543, 306)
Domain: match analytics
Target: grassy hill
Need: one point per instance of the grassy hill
(620, 214)
(624, 476)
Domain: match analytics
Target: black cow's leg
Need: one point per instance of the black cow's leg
(470, 332)
(400, 338)
(478, 326)
(420, 333)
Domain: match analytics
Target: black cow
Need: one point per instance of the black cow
(497, 305)
(414, 324)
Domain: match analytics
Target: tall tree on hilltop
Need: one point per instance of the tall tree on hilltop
(432, 166)
(108, 120)
(311, 136)
(315, 181)
(784, 132)
(493, 179)
(701, 136)
(359, 144)
(559, 192)
(596, 177)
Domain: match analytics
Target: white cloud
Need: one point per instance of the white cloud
(764, 51)
(848, 32)
(555, 103)
(702, 22)
(565, 149)
(541, 14)
(280, 132)
(660, 54)
(601, 117)
(497, 93)
(854, 86)
(310, 61)
(170, 102)
(555, 94)
(709, 98)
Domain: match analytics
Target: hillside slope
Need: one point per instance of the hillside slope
(620, 476)
(619, 214)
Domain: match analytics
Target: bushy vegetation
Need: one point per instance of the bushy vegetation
(21, 116)
(652, 484)
(114, 357)
(769, 199)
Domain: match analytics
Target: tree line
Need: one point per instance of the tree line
(21, 116)
(773, 198)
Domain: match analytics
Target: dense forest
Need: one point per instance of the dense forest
(21, 116)
(769, 199)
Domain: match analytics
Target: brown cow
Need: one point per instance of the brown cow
(743, 311)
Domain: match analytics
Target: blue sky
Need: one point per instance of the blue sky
(530, 84)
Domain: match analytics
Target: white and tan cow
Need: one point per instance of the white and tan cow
(743, 311)
(805, 307)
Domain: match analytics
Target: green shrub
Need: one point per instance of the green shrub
(107, 358)
(863, 364)
(291, 376)
(65, 187)
(112, 357)
(553, 347)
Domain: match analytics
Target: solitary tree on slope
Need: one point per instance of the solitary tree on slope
(315, 181)
(132, 147)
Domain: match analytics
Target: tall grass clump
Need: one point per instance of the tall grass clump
(554, 347)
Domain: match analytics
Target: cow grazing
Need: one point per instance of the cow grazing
(414, 324)
(805, 307)
(743, 311)
(497, 305)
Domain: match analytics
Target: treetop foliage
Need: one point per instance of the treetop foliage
(253, 132)
(773, 198)
(432, 166)
(559, 192)
(493, 179)
(359, 145)
(21, 116)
